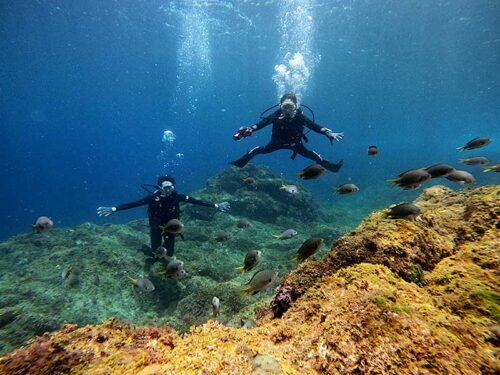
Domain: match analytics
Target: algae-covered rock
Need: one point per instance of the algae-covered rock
(407, 247)
(262, 200)
(393, 296)
(82, 274)
(362, 319)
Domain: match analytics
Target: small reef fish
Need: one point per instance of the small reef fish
(462, 177)
(311, 172)
(215, 306)
(475, 143)
(252, 258)
(286, 235)
(160, 252)
(142, 284)
(292, 189)
(372, 151)
(222, 236)
(174, 269)
(71, 275)
(308, 248)
(260, 281)
(172, 226)
(494, 168)
(347, 189)
(43, 224)
(249, 180)
(243, 223)
(439, 170)
(479, 160)
(403, 210)
(411, 179)
(65, 272)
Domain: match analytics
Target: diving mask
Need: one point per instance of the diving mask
(288, 108)
(166, 187)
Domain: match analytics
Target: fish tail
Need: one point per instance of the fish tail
(461, 160)
(246, 290)
(393, 182)
(132, 280)
(277, 236)
(486, 169)
(33, 227)
(283, 186)
(299, 174)
(461, 148)
(241, 270)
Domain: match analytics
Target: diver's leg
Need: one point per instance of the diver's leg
(154, 235)
(155, 238)
(169, 242)
(241, 162)
(313, 155)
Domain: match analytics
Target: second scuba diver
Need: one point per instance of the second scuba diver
(288, 133)
(163, 205)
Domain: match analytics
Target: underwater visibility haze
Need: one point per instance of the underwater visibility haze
(98, 98)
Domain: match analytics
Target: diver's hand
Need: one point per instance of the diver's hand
(334, 136)
(242, 133)
(106, 211)
(223, 206)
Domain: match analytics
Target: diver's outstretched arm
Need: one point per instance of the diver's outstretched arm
(108, 211)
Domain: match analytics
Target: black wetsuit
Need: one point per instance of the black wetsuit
(161, 209)
(287, 133)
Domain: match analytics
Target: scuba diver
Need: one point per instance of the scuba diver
(163, 205)
(287, 133)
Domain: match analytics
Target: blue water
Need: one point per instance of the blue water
(89, 87)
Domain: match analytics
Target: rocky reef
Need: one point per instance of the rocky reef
(393, 296)
(82, 274)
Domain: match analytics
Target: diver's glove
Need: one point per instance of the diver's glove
(223, 206)
(333, 136)
(106, 211)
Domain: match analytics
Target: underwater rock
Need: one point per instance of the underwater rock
(393, 296)
(263, 200)
(361, 319)
(408, 248)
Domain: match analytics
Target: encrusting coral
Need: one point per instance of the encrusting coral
(394, 296)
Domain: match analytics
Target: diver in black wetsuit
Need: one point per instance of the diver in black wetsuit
(288, 133)
(163, 205)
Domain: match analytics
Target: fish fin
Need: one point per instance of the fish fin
(182, 236)
(34, 228)
(393, 182)
(132, 280)
(255, 292)
(241, 270)
(461, 160)
(246, 289)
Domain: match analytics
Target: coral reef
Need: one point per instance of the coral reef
(394, 296)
